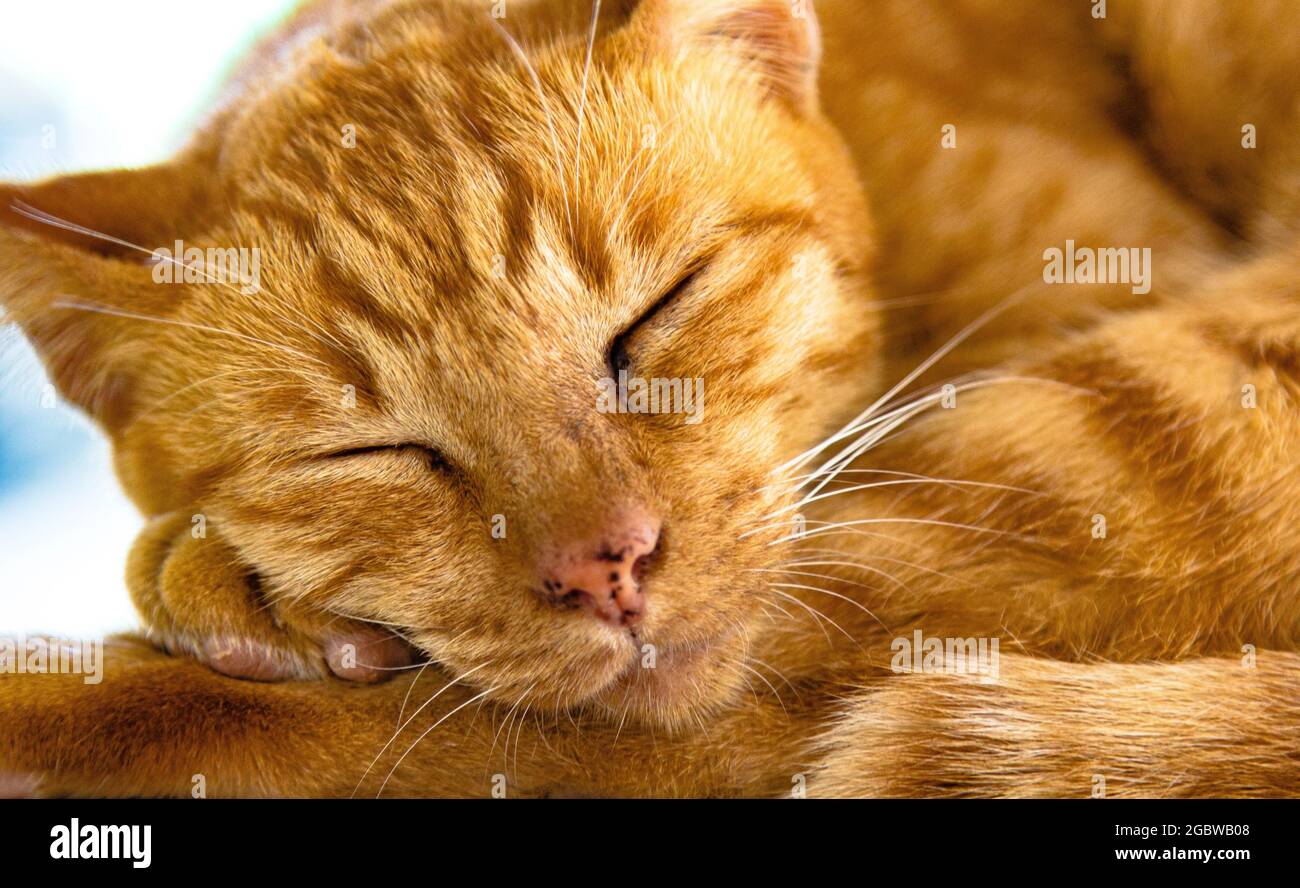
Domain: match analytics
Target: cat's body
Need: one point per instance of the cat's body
(980, 521)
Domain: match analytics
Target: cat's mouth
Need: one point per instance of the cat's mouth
(674, 676)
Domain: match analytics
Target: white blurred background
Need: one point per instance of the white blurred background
(87, 84)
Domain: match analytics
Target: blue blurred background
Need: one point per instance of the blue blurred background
(87, 84)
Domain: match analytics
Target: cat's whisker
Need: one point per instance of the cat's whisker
(763, 678)
(814, 552)
(850, 556)
(804, 533)
(694, 714)
(280, 309)
(618, 220)
(404, 724)
(388, 624)
(406, 699)
(836, 525)
(546, 109)
(871, 432)
(669, 128)
(508, 719)
(812, 498)
(817, 615)
(137, 316)
(507, 723)
(785, 613)
(311, 327)
(582, 105)
(943, 351)
(555, 754)
(782, 525)
(427, 732)
(519, 735)
(800, 549)
(37, 215)
(753, 691)
(741, 673)
(623, 717)
(742, 629)
(790, 483)
(698, 716)
(824, 576)
(778, 673)
(842, 597)
(478, 710)
(922, 368)
(833, 466)
(261, 390)
(156, 405)
(883, 426)
(407, 668)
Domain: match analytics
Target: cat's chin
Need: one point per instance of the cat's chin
(673, 685)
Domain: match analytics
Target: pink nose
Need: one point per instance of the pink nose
(603, 575)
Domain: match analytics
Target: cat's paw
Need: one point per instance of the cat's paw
(196, 598)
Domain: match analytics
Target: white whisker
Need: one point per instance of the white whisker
(942, 352)
(428, 731)
(136, 316)
(582, 105)
(401, 712)
(817, 615)
(546, 109)
(859, 605)
(821, 531)
(812, 498)
(37, 215)
(763, 678)
(403, 725)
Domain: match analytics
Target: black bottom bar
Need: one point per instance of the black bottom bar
(211, 837)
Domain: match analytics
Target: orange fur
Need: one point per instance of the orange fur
(505, 214)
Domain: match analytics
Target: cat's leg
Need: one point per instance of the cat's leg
(196, 597)
(159, 725)
(1209, 727)
(155, 725)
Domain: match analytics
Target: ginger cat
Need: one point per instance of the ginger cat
(467, 222)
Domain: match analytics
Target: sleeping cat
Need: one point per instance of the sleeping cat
(469, 216)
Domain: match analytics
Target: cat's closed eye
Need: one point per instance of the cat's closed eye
(619, 356)
(430, 456)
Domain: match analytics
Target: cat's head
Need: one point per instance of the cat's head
(448, 232)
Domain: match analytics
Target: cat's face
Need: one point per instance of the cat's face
(411, 420)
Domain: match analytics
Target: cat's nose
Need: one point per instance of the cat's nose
(604, 575)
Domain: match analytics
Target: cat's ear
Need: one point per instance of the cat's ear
(780, 37)
(75, 267)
